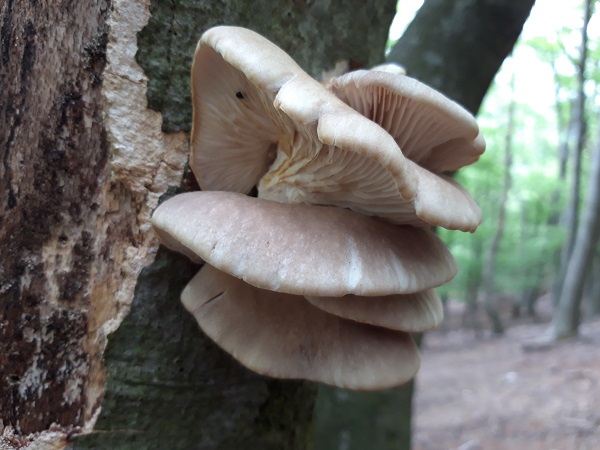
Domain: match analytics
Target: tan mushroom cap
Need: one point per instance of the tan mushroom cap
(235, 77)
(284, 336)
(258, 118)
(421, 311)
(304, 250)
(430, 129)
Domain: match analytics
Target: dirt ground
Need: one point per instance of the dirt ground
(486, 393)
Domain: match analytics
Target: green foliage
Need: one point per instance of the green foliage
(528, 239)
(533, 234)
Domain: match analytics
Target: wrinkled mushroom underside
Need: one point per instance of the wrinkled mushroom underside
(259, 119)
(431, 130)
(267, 332)
(304, 250)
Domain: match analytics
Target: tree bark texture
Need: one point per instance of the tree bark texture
(84, 163)
(58, 245)
(458, 46)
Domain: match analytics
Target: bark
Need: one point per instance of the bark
(457, 47)
(84, 163)
(364, 420)
(54, 231)
(565, 322)
(354, 420)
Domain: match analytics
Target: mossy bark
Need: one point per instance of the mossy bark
(168, 385)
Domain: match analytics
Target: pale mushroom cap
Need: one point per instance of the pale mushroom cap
(284, 336)
(441, 200)
(305, 250)
(430, 129)
(235, 125)
(250, 98)
(421, 311)
(258, 118)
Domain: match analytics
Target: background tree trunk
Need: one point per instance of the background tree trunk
(470, 318)
(577, 132)
(593, 286)
(565, 322)
(492, 253)
(84, 163)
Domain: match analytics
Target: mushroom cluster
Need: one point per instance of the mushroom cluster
(325, 273)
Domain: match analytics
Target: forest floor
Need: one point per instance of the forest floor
(487, 393)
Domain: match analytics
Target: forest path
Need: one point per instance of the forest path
(487, 393)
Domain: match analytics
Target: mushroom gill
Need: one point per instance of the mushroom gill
(324, 274)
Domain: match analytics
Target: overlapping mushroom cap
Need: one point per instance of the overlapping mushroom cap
(321, 276)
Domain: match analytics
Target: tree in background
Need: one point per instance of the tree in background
(489, 269)
(577, 131)
(549, 162)
(582, 237)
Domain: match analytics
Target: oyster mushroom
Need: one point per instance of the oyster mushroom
(302, 249)
(326, 266)
(260, 120)
(284, 336)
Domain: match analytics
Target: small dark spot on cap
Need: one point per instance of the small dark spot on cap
(239, 95)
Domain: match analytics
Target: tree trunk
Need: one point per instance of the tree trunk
(84, 164)
(532, 274)
(565, 322)
(593, 286)
(470, 318)
(578, 131)
(62, 245)
(492, 253)
(459, 59)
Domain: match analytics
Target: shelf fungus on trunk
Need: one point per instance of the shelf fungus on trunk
(325, 274)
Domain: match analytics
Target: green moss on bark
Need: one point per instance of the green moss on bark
(315, 34)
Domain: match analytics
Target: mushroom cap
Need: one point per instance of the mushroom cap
(258, 118)
(430, 129)
(304, 250)
(421, 311)
(284, 336)
(235, 77)
(250, 98)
